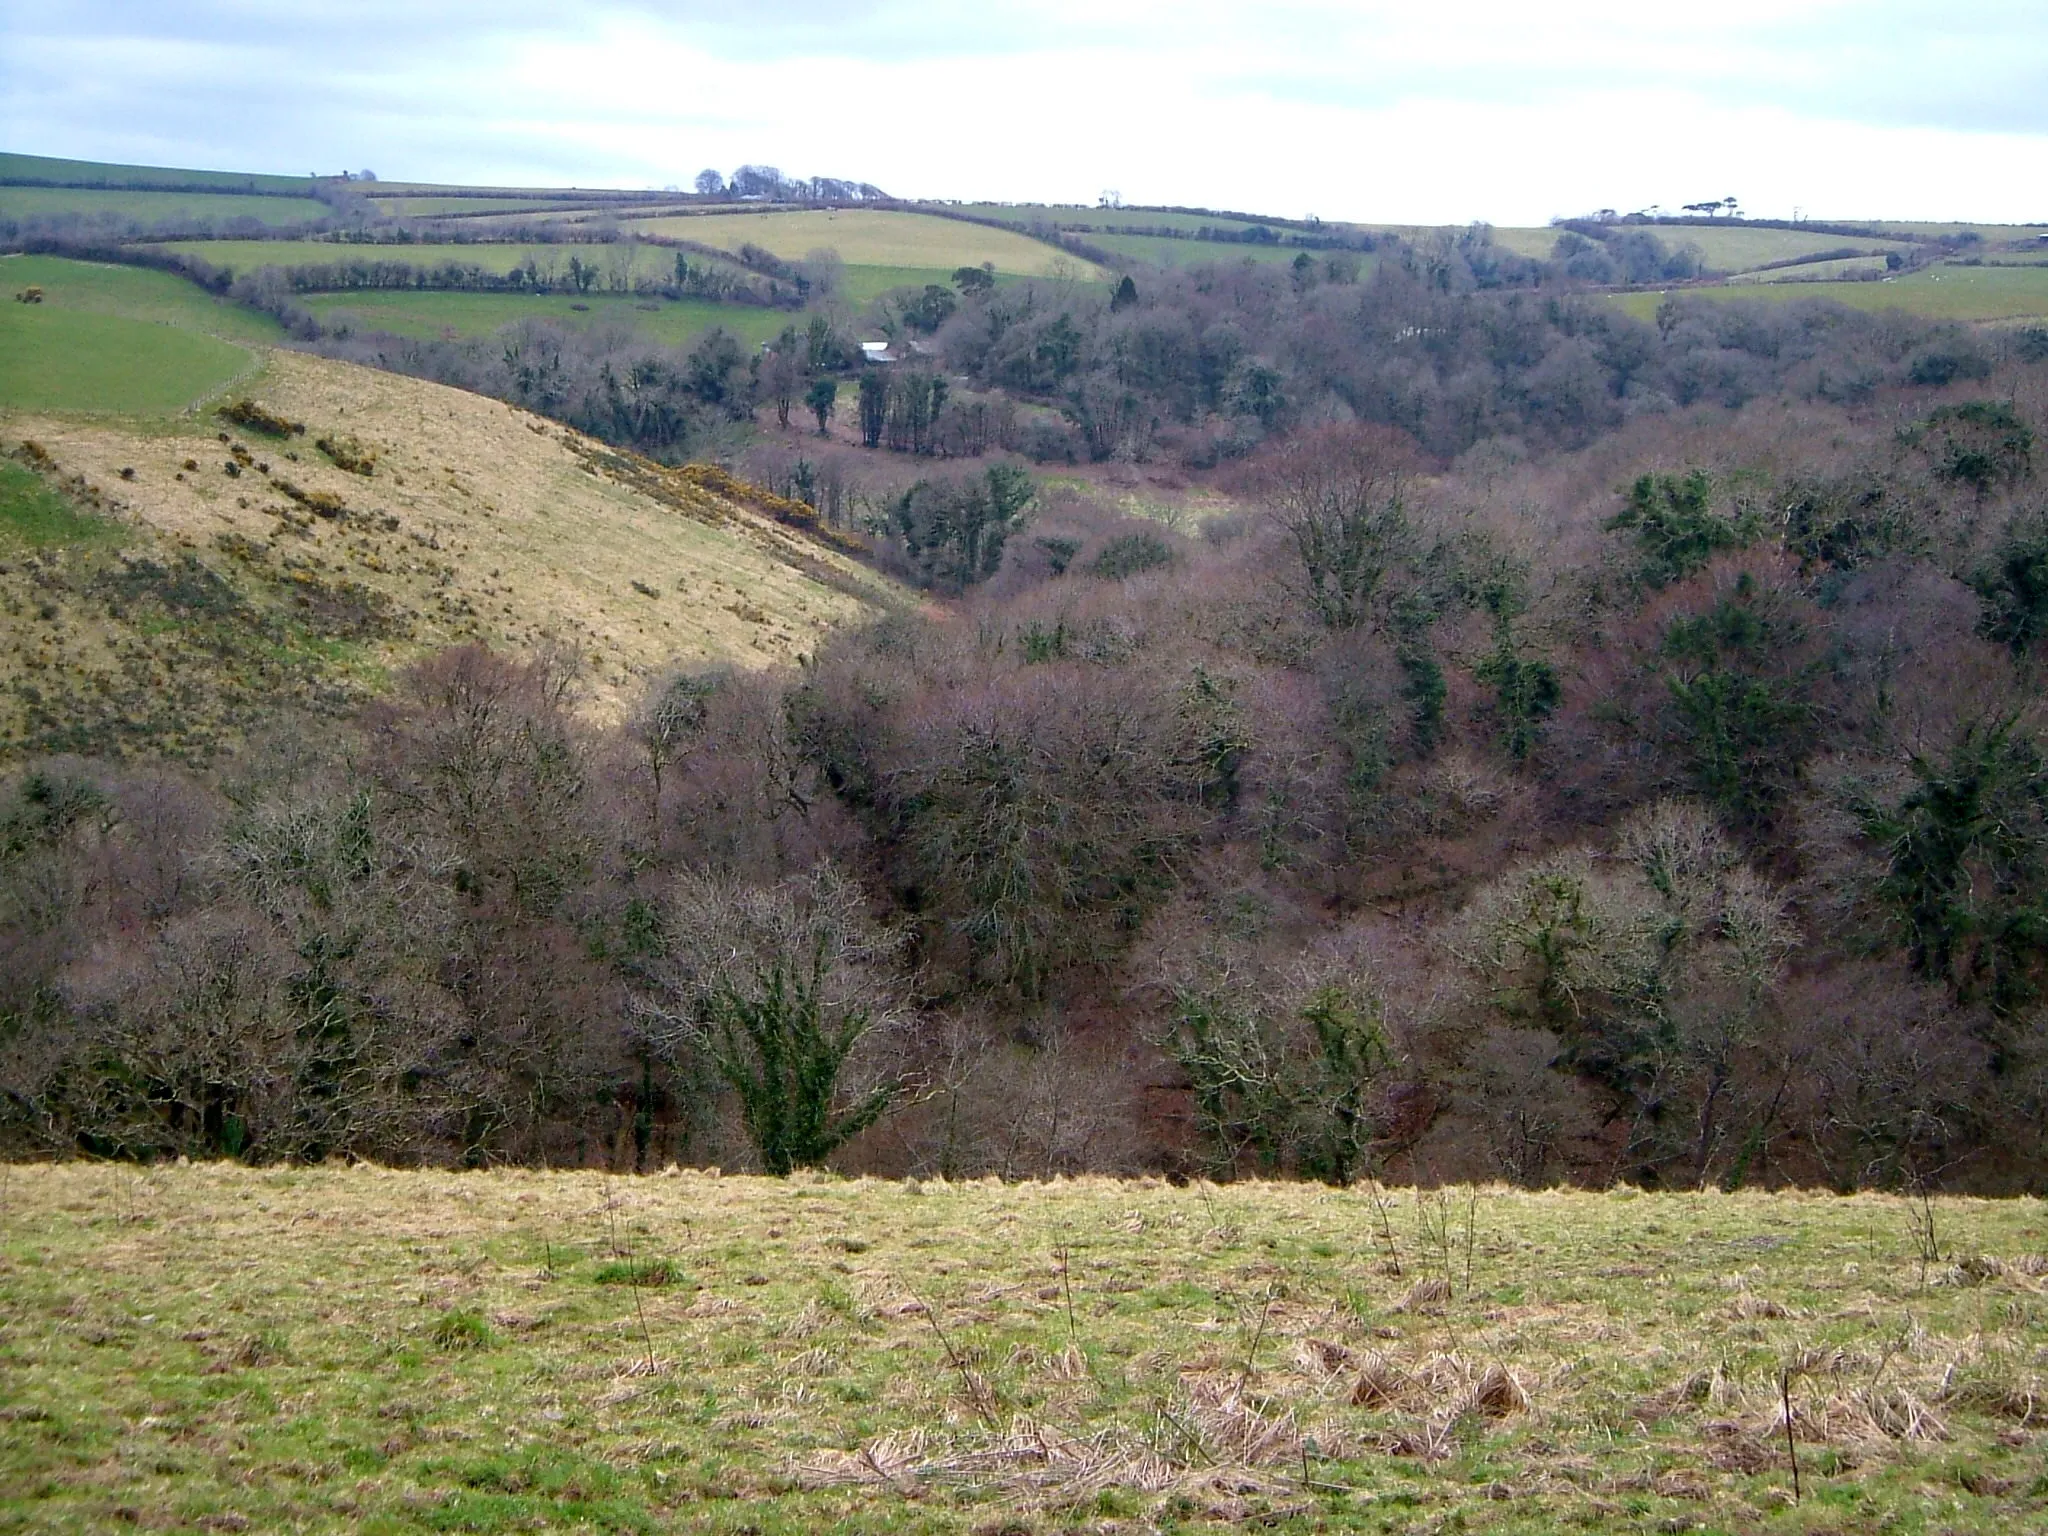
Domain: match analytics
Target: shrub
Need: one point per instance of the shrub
(1980, 443)
(2014, 585)
(1045, 440)
(1940, 365)
(1130, 555)
(954, 531)
(781, 1048)
(1967, 854)
(1276, 1093)
(247, 413)
(321, 503)
(463, 1328)
(1676, 527)
(1742, 712)
(348, 454)
(1525, 688)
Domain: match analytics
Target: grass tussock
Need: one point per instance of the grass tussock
(429, 1352)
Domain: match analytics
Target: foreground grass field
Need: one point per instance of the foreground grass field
(223, 1349)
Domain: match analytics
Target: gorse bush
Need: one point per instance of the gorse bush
(247, 413)
(1676, 526)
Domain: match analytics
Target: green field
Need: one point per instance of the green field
(89, 173)
(32, 516)
(355, 1350)
(858, 285)
(251, 255)
(1733, 248)
(1993, 234)
(134, 293)
(1165, 251)
(428, 207)
(861, 284)
(1813, 271)
(1073, 216)
(428, 314)
(1941, 293)
(65, 360)
(116, 339)
(150, 207)
(875, 237)
(630, 258)
(1736, 249)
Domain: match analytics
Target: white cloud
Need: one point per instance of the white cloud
(1371, 111)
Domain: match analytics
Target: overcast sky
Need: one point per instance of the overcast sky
(1383, 110)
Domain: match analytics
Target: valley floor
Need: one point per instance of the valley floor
(220, 1348)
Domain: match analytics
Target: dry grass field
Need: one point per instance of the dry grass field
(877, 238)
(478, 521)
(215, 1348)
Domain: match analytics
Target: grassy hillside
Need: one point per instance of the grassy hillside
(1166, 251)
(359, 1350)
(1814, 271)
(1074, 216)
(860, 284)
(1993, 234)
(1947, 292)
(59, 360)
(134, 293)
(430, 206)
(33, 515)
(116, 340)
(149, 207)
(478, 522)
(629, 258)
(46, 170)
(1736, 249)
(672, 323)
(875, 237)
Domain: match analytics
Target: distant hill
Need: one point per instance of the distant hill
(142, 600)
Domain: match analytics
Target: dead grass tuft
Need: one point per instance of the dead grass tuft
(1496, 1393)
(1750, 1308)
(1426, 1295)
(1232, 1429)
(1321, 1359)
(1381, 1383)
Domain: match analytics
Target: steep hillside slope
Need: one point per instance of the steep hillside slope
(233, 569)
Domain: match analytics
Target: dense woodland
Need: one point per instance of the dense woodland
(1199, 367)
(1594, 751)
